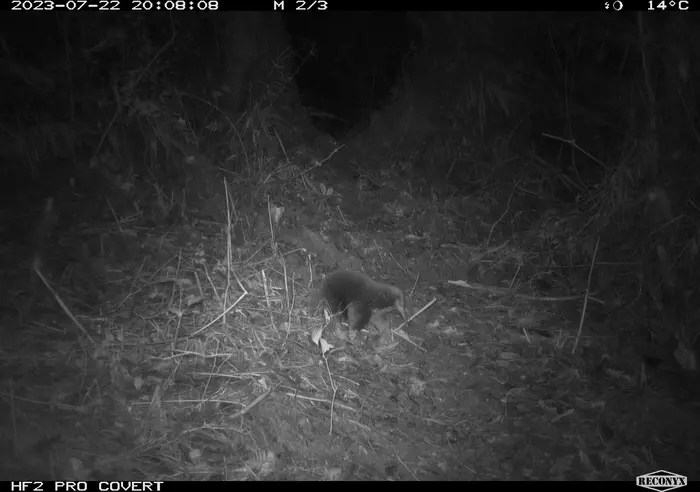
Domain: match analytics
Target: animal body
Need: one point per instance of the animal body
(355, 296)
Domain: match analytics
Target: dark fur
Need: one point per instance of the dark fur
(355, 297)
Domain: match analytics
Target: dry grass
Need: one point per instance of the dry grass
(198, 365)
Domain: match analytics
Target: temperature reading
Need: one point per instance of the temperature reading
(671, 4)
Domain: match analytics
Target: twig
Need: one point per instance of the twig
(251, 405)
(334, 387)
(279, 140)
(407, 468)
(13, 414)
(413, 289)
(415, 315)
(585, 299)
(290, 302)
(397, 331)
(114, 215)
(554, 298)
(320, 163)
(573, 143)
(502, 291)
(229, 250)
(273, 243)
(267, 298)
(297, 396)
(61, 303)
(510, 198)
(245, 293)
